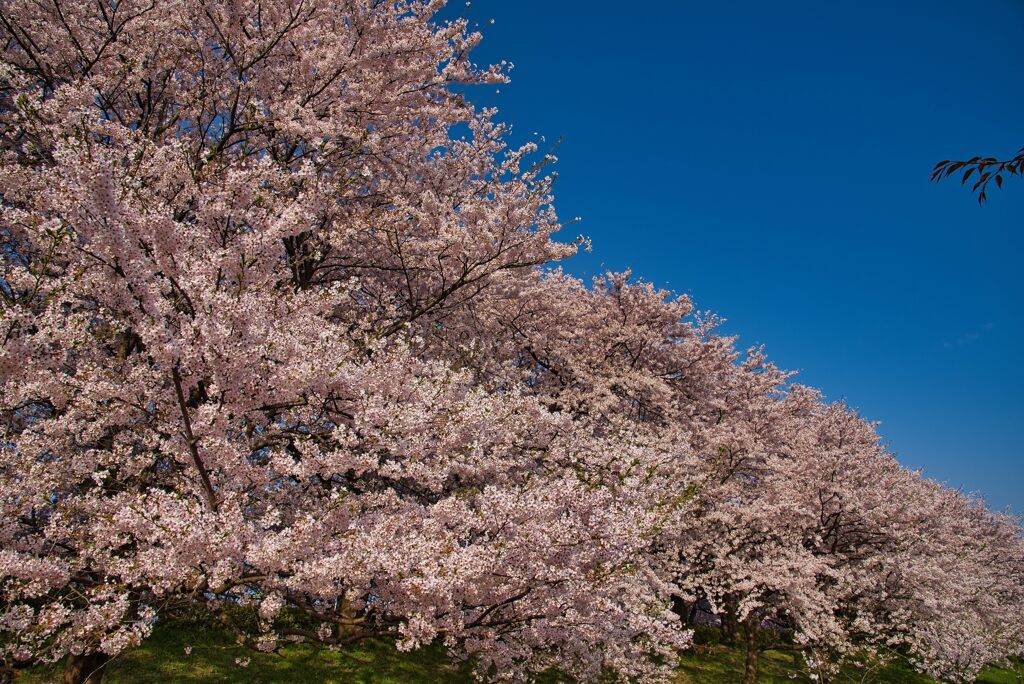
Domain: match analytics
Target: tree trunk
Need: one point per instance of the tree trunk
(681, 608)
(730, 622)
(753, 653)
(85, 669)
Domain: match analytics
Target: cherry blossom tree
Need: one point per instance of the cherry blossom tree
(786, 510)
(820, 531)
(233, 233)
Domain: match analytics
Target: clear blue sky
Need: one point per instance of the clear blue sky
(772, 160)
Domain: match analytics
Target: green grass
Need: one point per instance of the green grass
(162, 659)
(721, 665)
(707, 664)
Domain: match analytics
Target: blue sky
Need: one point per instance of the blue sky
(772, 161)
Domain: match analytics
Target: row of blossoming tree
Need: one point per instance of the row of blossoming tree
(281, 329)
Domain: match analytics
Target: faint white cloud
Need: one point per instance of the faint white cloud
(970, 337)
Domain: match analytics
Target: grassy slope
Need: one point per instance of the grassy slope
(162, 659)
